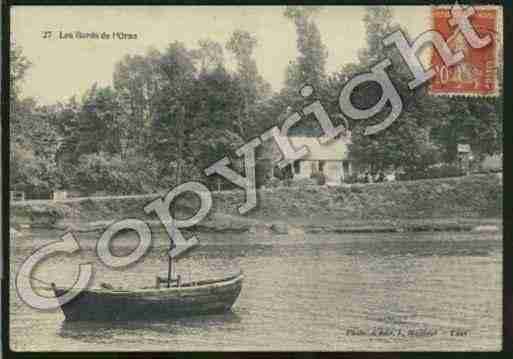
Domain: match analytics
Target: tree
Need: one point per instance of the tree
(110, 173)
(100, 122)
(173, 106)
(407, 142)
(378, 24)
(168, 116)
(33, 138)
(33, 149)
(430, 127)
(469, 120)
(217, 100)
(136, 81)
(196, 114)
(253, 87)
(18, 69)
(209, 55)
(403, 145)
(309, 67)
(19, 64)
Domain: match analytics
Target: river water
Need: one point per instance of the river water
(401, 291)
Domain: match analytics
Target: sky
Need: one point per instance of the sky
(66, 67)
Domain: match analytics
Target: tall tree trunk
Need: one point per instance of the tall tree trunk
(180, 137)
(240, 123)
(246, 112)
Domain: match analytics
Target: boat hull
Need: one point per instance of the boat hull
(190, 299)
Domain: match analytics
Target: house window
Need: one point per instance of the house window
(321, 166)
(296, 167)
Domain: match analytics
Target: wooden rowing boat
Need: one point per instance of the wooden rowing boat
(181, 299)
(174, 299)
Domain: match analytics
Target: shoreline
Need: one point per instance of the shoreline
(469, 203)
(477, 225)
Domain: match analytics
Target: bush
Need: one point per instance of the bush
(441, 171)
(303, 182)
(353, 178)
(275, 182)
(109, 174)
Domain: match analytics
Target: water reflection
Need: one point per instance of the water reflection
(365, 248)
(104, 332)
(297, 294)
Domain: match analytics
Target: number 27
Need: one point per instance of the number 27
(46, 34)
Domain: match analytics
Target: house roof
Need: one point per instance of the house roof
(335, 150)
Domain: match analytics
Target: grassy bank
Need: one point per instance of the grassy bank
(439, 204)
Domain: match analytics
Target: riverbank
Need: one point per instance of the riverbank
(463, 203)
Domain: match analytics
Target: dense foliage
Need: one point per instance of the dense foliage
(169, 114)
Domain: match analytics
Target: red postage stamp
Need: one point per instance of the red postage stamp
(476, 74)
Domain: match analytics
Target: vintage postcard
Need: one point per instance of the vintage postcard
(255, 178)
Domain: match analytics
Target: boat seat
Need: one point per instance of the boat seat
(174, 282)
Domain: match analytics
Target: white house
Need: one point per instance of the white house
(332, 158)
